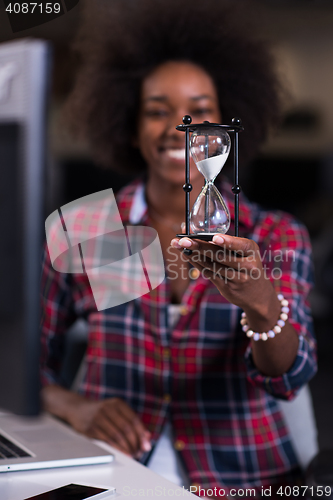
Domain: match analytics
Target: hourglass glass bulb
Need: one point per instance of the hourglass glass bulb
(210, 147)
(209, 214)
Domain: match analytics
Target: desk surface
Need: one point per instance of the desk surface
(130, 479)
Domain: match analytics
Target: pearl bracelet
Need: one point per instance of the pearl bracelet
(275, 330)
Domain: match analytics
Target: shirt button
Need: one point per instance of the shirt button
(194, 273)
(179, 445)
(166, 353)
(183, 310)
(167, 398)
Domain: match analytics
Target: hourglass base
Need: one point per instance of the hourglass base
(200, 236)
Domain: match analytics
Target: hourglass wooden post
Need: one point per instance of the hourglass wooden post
(187, 186)
(210, 145)
(236, 189)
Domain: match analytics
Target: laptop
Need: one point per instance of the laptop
(43, 442)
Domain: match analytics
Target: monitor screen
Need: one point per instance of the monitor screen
(24, 70)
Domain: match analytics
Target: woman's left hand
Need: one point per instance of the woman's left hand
(235, 267)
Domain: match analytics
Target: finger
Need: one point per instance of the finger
(137, 427)
(100, 431)
(188, 243)
(215, 259)
(242, 246)
(186, 251)
(113, 429)
(130, 433)
(223, 253)
(205, 248)
(175, 243)
(185, 242)
(245, 253)
(208, 253)
(99, 434)
(215, 271)
(123, 433)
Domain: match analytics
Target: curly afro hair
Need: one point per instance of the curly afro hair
(121, 41)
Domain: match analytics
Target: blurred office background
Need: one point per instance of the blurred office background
(294, 171)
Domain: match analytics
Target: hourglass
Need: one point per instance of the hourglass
(209, 146)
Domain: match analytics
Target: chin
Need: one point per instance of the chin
(177, 180)
(172, 171)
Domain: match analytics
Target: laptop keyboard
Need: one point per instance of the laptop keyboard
(8, 449)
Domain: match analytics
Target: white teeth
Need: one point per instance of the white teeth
(178, 154)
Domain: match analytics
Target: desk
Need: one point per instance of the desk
(125, 474)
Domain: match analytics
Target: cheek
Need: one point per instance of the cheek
(194, 172)
(143, 139)
(147, 138)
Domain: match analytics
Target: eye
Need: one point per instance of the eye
(202, 111)
(155, 113)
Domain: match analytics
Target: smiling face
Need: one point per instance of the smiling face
(172, 90)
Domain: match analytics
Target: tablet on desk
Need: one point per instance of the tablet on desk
(75, 492)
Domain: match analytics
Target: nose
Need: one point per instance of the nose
(175, 119)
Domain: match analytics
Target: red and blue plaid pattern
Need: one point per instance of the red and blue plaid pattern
(226, 422)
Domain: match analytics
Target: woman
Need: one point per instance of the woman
(176, 362)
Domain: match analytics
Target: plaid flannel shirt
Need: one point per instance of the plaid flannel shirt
(199, 373)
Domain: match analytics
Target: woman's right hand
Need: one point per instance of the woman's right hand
(113, 421)
(110, 420)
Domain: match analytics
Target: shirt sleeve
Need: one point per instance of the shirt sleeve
(57, 314)
(286, 255)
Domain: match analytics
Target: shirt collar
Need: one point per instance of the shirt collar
(139, 205)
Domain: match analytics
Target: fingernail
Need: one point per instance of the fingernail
(218, 239)
(146, 445)
(185, 243)
(175, 244)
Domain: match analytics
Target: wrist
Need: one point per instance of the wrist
(73, 407)
(264, 334)
(61, 402)
(263, 316)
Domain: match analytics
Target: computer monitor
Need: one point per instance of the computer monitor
(24, 76)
